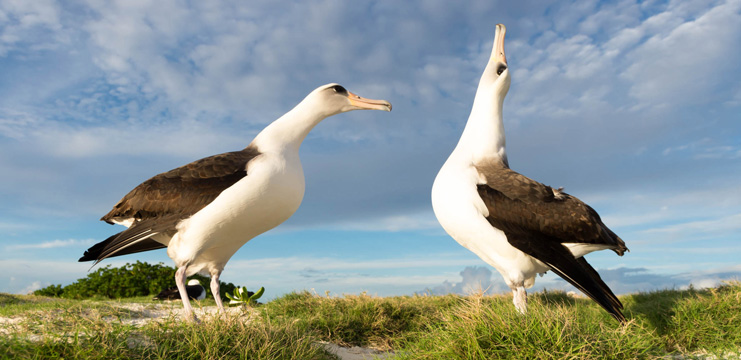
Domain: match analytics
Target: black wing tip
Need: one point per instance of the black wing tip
(588, 281)
(614, 307)
(94, 253)
(86, 258)
(618, 315)
(608, 301)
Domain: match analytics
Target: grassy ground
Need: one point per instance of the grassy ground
(663, 324)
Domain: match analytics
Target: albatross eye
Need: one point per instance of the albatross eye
(339, 89)
(501, 69)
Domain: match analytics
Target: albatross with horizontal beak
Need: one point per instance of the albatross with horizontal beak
(517, 225)
(203, 212)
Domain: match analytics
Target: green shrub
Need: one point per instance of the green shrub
(130, 280)
(50, 291)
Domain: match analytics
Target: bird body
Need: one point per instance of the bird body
(463, 214)
(203, 212)
(255, 204)
(517, 225)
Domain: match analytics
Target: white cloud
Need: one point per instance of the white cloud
(684, 63)
(724, 225)
(182, 140)
(219, 55)
(27, 272)
(295, 264)
(14, 226)
(52, 244)
(623, 40)
(666, 205)
(31, 288)
(611, 17)
(14, 123)
(30, 22)
(711, 277)
(387, 276)
(621, 280)
(474, 279)
(705, 148)
(399, 222)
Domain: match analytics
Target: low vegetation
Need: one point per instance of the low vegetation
(130, 280)
(668, 324)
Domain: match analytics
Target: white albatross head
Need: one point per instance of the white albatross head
(327, 100)
(483, 136)
(335, 99)
(497, 71)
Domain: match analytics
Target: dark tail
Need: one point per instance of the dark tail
(94, 253)
(585, 278)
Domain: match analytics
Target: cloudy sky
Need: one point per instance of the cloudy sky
(631, 106)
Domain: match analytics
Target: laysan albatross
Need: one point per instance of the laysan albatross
(203, 212)
(517, 225)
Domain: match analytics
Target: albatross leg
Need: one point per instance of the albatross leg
(216, 292)
(180, 282)
(519, 297)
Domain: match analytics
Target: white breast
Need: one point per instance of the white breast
(461, 212)
(270, 193)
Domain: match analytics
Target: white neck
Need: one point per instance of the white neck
(290, 130)
(483, 136)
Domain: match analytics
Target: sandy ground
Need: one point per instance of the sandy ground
(145, 313)
(356, 352)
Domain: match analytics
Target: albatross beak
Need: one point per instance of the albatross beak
(498, 53)
(368, 104)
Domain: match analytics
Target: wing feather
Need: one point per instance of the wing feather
(184, 190)
(160, 203)
(518, 201)
(538, 220)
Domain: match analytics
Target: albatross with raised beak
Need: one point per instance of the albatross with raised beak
(517, 225)
(203, 212)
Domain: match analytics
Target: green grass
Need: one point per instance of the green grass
(96, 330)
(483, 328)
(662, 324)
(690, 323)
(359, 320)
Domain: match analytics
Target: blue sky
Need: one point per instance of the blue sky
(631, 106)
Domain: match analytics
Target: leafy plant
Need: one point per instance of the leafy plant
(50, 291)
(130, 280)
(242, 296)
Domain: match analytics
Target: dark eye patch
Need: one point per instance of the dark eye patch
(339, 89)
(501, 69)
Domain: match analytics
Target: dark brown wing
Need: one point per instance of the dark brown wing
(518, 201)
(160, 203)
(184, 190)
(538, 220)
